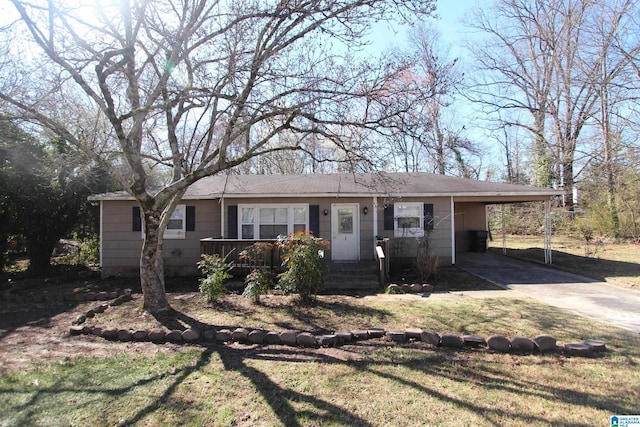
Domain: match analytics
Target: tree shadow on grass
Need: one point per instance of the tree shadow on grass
(338, 312)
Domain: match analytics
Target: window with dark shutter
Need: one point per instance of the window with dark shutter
(428, 216)
(388, 217)
(191, 218)
(136, 219)
(232, 222)
(314, 220)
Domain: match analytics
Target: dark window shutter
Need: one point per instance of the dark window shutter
(191, 218)
(136, 219)
(232, 222)
(388, 217)
(428, 216)
(314, 220)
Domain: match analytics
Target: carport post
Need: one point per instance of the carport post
(504, 231)
(547, 232)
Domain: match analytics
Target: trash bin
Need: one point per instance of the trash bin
(478, 241)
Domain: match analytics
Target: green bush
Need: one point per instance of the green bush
(305, 266)
(261, 278)
(258, 283)
(216, 271)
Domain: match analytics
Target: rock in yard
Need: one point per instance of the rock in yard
(209, 335)
(426, 287)
(289, 338)
(256, 336)
(190, 335)
(157, 336)
(240, 335)
(343, 337)
(100, 308)
(413, 333)
(124, 335)
(431, 338)
(110, 333)
(376, 332)
(451, 340)
(499, 343)
(596, 345)
(397, 336)
(306, 339)
(522, 345)
(223, 335)
(360, 334)
(328, 340)
(545, 343)
(576, 349)
(415, 288)
(473, 341)
(394, 289)
(174, 336)
(140, 335)
(76, 330)
(272, 338)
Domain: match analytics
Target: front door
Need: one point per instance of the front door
(345, 232)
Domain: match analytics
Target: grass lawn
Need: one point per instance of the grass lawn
(605, 260)
(365, 384)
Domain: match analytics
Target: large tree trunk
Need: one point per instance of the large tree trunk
(152, 268)
(567, 173)
(40, 251)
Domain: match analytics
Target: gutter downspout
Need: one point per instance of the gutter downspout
(222, 207)
(101, 233)
(547, 233)
(375, 223)
(453, 233)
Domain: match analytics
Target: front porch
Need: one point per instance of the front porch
(341, 276)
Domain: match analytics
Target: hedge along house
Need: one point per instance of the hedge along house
(354, 212)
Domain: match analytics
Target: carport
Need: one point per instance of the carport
(471, 219)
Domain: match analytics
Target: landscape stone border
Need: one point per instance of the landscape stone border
(520, 345)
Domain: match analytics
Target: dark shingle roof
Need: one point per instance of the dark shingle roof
(336, 185)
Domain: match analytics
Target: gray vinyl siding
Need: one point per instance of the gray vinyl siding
(439, 237)
(121, 246)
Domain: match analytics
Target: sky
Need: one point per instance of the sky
(448, 23)
(453, 34)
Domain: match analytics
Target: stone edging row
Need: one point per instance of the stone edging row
(294, 338)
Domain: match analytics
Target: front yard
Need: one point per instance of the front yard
(50, 378)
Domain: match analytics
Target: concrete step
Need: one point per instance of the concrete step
(352, 276)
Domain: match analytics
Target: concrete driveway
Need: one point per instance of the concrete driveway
(583, 296)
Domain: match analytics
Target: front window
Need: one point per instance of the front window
(408, 217)
(177, 223)
(271, 221)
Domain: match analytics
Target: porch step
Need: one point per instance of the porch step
(353, 276)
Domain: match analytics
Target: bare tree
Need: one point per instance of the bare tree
(194, 87)
(427, 138)
(552, 58)
(516, 62)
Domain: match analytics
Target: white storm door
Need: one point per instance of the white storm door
(345, 232)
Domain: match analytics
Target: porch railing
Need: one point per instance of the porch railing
(382, 255)
(231, 249)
